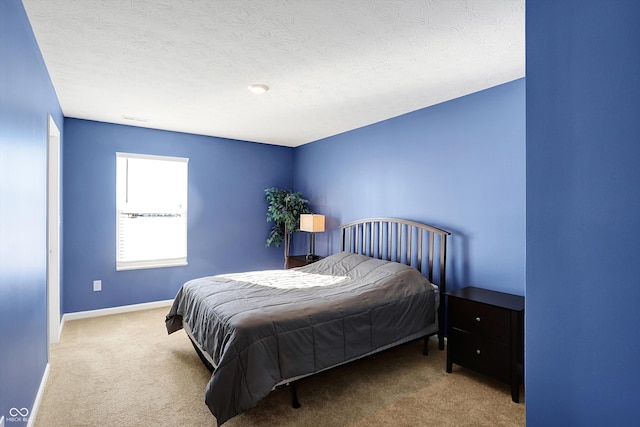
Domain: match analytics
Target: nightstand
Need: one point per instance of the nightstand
(485, 333)
(300, 261)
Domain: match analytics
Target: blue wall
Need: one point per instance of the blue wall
(458, 165)
(227, 226)
(26, 99)
(583, 213)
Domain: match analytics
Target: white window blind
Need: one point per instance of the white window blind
(151, 204)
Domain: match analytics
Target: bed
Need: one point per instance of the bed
(260, 330)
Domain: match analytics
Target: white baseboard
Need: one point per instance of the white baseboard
(113, 310)
(36, 404)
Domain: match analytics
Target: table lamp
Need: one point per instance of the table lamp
(312, 223)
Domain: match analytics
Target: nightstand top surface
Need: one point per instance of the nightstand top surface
(304, 257)
(487, 296)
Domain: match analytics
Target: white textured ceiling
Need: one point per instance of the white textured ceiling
(332, 65)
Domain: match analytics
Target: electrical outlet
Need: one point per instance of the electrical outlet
(97, 285)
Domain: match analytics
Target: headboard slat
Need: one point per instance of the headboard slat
(420, 232)
(398, 242)
(431, 249)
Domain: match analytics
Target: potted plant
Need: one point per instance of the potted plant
(284, 210)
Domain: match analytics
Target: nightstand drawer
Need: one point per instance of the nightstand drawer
(488, 321)
(481, 354)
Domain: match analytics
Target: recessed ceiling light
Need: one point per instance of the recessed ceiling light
(258, 88)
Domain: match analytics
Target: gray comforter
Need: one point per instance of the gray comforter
(263, 328)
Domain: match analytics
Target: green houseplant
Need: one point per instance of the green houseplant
(284, 210)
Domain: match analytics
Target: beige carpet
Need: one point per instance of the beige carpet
(124, 370)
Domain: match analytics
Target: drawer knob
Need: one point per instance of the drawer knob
(477, 319)
(477, 351)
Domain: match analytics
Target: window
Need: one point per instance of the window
(151, 204)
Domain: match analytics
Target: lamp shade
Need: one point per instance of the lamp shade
(312, 223)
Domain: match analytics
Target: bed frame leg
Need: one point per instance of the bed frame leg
(294, 395)
(441, 341)
(425, 349)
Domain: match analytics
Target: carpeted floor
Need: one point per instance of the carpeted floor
(124, 370)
